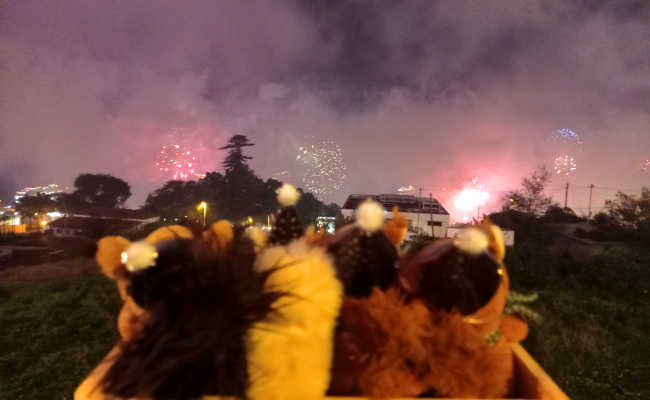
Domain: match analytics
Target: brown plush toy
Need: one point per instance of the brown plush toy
(440, 333)
(109, 256)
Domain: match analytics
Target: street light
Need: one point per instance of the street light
(250, 220)
(203, 206)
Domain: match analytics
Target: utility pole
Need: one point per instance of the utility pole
(566, 194)
(591, 188)
(420, 230)
(431, 213)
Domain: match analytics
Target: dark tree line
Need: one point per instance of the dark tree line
(236, 194)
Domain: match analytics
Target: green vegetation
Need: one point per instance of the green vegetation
(52, 336)
(593, 339)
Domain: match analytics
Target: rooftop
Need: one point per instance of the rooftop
(405, 202)
(115, 213)
(76, 222)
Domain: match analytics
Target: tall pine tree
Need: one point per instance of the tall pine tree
(236, 159)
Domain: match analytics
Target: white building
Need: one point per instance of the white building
(426, 216)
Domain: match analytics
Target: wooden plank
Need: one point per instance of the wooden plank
(531, 382)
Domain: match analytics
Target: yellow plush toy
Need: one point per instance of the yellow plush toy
(289, 353)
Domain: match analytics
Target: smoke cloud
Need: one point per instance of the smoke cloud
(422, 93)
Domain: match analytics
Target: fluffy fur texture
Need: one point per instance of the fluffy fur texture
(472, 241)
(132, 318)
(139, 255)
(168, 233)
(289, 354)
(442, 332)
(287, 195)
(362, 260)
(386, 347)
(258, 236)
(396, 228)
(219, 236)
(370, 216)
(200, 306)
(287, 227)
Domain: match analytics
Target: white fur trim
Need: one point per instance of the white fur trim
(139, 255)
(472, 241)
(288, 195)
(370, 216)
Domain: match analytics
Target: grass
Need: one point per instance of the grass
(52, 335)
(594, 340)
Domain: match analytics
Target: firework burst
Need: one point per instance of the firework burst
(324, 167)
(564, 165)
(177, 163)
(469, 200)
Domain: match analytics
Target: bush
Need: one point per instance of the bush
(555, 214)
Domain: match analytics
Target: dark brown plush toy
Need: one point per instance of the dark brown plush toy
(441, 332)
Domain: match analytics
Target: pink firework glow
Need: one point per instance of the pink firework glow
(177, 163)
(645, 165)
(470, 199)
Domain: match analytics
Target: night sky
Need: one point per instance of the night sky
(423, 93)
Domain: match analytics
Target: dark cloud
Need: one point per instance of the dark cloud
(424, 92)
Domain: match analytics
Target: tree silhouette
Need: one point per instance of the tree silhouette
(530, 199)
(628, 210)
(101, 190)
(236, 159)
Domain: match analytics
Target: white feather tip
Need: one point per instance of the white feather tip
(139, 255)
(288, 195)
(370, 216)
(472, 241)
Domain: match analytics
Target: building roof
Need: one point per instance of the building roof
(115, 213)
(76, 222)
(405, 202)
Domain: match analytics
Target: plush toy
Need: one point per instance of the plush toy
(364, 255)
(220, 313)
(200, 296)
(441, 332)
(287, 227)
(290, 352)
(110, 251)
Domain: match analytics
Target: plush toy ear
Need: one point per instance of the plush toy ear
(513, 328)
(219, 235)
(396, 228)
(496, 245)
(109, 253)
(258, 236)
(168, 233)
(313, 236)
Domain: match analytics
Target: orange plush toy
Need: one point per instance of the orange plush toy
(109, 257)
(440, 332)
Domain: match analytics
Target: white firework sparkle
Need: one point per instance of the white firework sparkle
(324, 167)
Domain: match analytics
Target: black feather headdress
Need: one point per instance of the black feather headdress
(364, 256)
